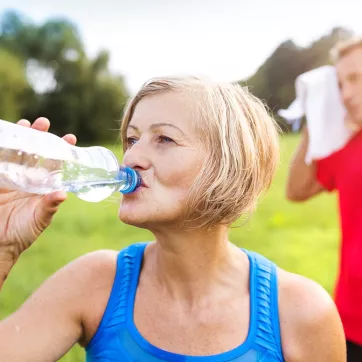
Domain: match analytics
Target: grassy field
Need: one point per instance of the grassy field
(302, 238)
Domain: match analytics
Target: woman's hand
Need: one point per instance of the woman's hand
(23, 216)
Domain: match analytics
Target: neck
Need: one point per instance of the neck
(190, 263)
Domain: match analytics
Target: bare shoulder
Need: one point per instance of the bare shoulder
(86, 272)
(67, 307)
(310, 325)
(80, 277)
(93, 274)
(93, 266)
(82, 288)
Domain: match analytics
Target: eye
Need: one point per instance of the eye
(164, 139)
(130, 141)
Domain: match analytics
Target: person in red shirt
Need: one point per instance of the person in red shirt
(341, 172)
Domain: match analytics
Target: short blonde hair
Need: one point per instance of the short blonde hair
(344, 47)
(241, 140)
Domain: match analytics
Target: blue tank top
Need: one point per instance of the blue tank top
(117, 338)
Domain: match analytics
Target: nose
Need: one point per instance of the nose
(137, 157)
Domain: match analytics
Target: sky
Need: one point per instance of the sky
(226, 40)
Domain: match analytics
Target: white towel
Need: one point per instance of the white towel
(318, 98)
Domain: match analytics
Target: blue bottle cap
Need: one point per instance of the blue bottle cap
(134, 179)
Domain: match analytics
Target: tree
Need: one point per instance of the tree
(14, 86)
(87, 101)
(274, 81)
(78, 94)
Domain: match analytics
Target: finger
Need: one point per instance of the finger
(47, 207)
(70, 138)
(24, 123)
(55, 198)
(41, 124)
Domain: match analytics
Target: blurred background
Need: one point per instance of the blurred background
(77, 62)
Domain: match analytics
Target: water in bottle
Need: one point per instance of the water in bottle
(40, 162)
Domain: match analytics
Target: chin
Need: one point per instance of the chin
(131, 217)
(354, 123)
(148, 214)
(356, 117)
(149, 221)
(135, 216)
(359, 121)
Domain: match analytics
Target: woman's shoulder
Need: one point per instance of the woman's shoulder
(94, 273)
(95, 269)
(93, 264)
(302, 297)
(308, 318)
(104, 260)
(88, 270)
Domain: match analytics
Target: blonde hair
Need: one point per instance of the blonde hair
(241, 140)
(344, 47)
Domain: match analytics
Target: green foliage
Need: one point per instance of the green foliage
(13, 86)
(81, 96)
(274, 81)
(301, 238)
(86, 99)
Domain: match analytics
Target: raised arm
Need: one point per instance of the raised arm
(49, 323)
(302, 183)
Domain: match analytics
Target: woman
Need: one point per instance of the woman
(205, 152)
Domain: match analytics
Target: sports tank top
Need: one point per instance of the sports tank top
(117, 338)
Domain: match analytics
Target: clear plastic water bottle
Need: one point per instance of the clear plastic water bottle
(41, 162)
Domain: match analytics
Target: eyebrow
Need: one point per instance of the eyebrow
(157, 125)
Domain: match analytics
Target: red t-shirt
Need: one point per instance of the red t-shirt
(342, 171)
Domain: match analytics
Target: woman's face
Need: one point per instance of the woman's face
(164, 146)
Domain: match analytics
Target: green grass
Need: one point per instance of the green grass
(302, 238)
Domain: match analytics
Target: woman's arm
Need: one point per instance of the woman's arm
(302, 183)
(311, 328)
(66, 309)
